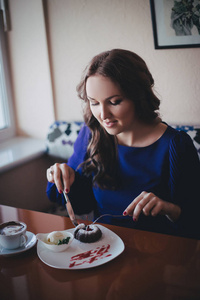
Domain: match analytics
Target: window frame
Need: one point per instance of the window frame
(9, 131)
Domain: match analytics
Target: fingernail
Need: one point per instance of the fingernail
(124, 213)
(60, 192)
(66, 190)
(134, 219)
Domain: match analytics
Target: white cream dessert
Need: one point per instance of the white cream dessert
(54, 237)
(56, 241)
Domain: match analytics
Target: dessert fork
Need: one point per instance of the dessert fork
(107, 215)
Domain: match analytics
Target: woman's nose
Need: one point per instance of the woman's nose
(105, 113)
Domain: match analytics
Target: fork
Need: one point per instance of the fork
(107, 215)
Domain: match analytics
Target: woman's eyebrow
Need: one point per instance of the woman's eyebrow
(109, 98)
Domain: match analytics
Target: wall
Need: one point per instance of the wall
(80, 29)
(30, 70)
(46, 71)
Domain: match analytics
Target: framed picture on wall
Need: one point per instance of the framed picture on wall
(176, 23)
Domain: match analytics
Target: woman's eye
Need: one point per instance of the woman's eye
(117, 102)
(94, 103)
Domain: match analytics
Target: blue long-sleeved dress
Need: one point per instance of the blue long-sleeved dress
(170, 168)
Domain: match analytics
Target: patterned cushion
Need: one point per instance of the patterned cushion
(61, 138)
(194, 133)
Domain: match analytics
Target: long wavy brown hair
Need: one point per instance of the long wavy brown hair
(131, 74)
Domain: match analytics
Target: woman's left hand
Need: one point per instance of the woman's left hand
(150, 204)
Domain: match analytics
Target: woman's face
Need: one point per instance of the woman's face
(109, 106)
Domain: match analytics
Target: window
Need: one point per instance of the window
(7, 128)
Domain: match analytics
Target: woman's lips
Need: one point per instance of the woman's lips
(109, 124)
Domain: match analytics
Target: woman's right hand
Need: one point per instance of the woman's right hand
(62, 176)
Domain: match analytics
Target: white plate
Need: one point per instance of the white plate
(88, 255)
(31, 241)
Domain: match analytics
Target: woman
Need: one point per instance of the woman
(126, 160)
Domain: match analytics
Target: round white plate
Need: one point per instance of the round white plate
(31, 241)
(84, 255)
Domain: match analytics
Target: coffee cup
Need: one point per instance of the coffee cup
(13, 234)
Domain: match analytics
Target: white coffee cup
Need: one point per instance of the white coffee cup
(13, 234)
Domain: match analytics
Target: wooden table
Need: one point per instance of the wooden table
(152, 266)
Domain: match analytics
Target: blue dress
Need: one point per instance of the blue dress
(170, 168)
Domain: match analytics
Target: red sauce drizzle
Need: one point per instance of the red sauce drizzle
(88, 228)
(89, 256)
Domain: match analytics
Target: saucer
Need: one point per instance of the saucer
(31, 241)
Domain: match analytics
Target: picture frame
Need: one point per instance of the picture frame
(175, 23)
